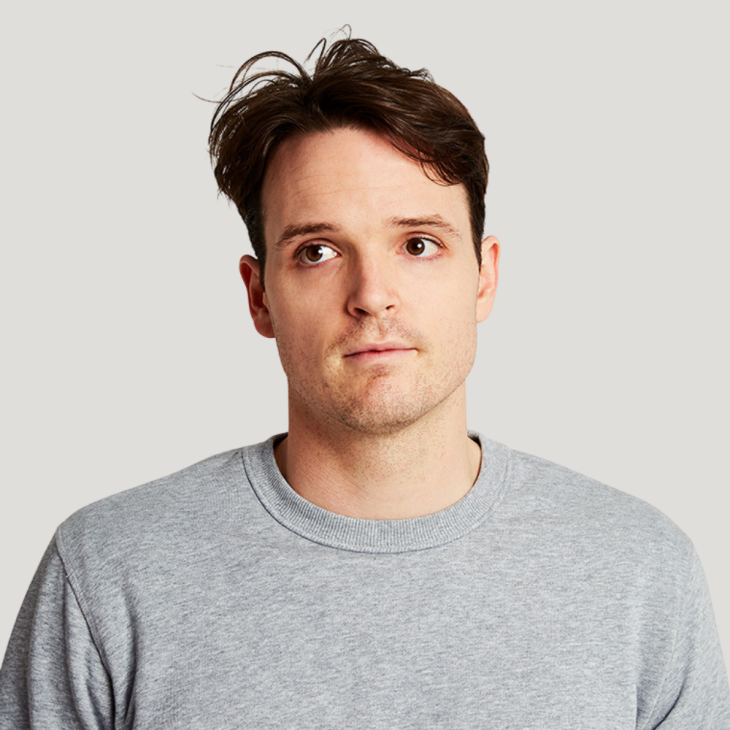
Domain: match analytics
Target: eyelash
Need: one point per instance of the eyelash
(434, 241)
(299, 251)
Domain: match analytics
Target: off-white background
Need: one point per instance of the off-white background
(127, 348)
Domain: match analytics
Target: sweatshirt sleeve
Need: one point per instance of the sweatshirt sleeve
(694, 692)
(52, 676)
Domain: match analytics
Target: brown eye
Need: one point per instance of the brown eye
(421, 247)
(315, 253)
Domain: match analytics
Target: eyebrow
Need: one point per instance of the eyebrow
(433, 221)
(308, 229)
(303, 229)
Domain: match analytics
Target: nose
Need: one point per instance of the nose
(372, 289)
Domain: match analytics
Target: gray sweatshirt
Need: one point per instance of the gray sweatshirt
(218, 598)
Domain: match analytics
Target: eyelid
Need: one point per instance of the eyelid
(299, 250)
(426, 237)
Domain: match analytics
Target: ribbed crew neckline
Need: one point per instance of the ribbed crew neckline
(377, 536)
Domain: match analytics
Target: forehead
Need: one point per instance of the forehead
(352, 175)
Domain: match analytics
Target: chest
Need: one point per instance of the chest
(378, 643)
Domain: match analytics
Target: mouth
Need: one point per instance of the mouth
(379, 351)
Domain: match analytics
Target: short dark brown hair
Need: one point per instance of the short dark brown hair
(352, 85)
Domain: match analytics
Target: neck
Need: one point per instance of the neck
(416, 470)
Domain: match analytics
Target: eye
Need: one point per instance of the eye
(315, 253)
(421, 247)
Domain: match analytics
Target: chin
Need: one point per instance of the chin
(385, 416)
(381, 406)
(370, 424)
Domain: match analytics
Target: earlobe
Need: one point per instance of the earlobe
(257, 304)
(488, 277)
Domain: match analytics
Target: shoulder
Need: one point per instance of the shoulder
(592, 518)
(163, 498)
(161, 516)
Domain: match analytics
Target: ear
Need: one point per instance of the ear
(257, 304)
(488, 275)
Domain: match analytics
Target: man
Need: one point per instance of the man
(377, 566)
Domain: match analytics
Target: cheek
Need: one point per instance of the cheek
(303, 311)
(455, 308)
(459, 327)
(298, 331)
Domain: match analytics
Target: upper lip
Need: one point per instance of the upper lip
(378, 347)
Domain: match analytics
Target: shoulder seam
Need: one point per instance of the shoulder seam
(70, 575)
(690, 569)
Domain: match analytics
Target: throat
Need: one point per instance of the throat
(398, 477)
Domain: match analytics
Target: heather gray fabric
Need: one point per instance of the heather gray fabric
(218, 598)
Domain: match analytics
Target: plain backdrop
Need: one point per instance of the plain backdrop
(128, 351)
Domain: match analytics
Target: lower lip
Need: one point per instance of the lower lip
(379, 355)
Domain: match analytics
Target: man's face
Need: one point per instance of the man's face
(372, 288)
